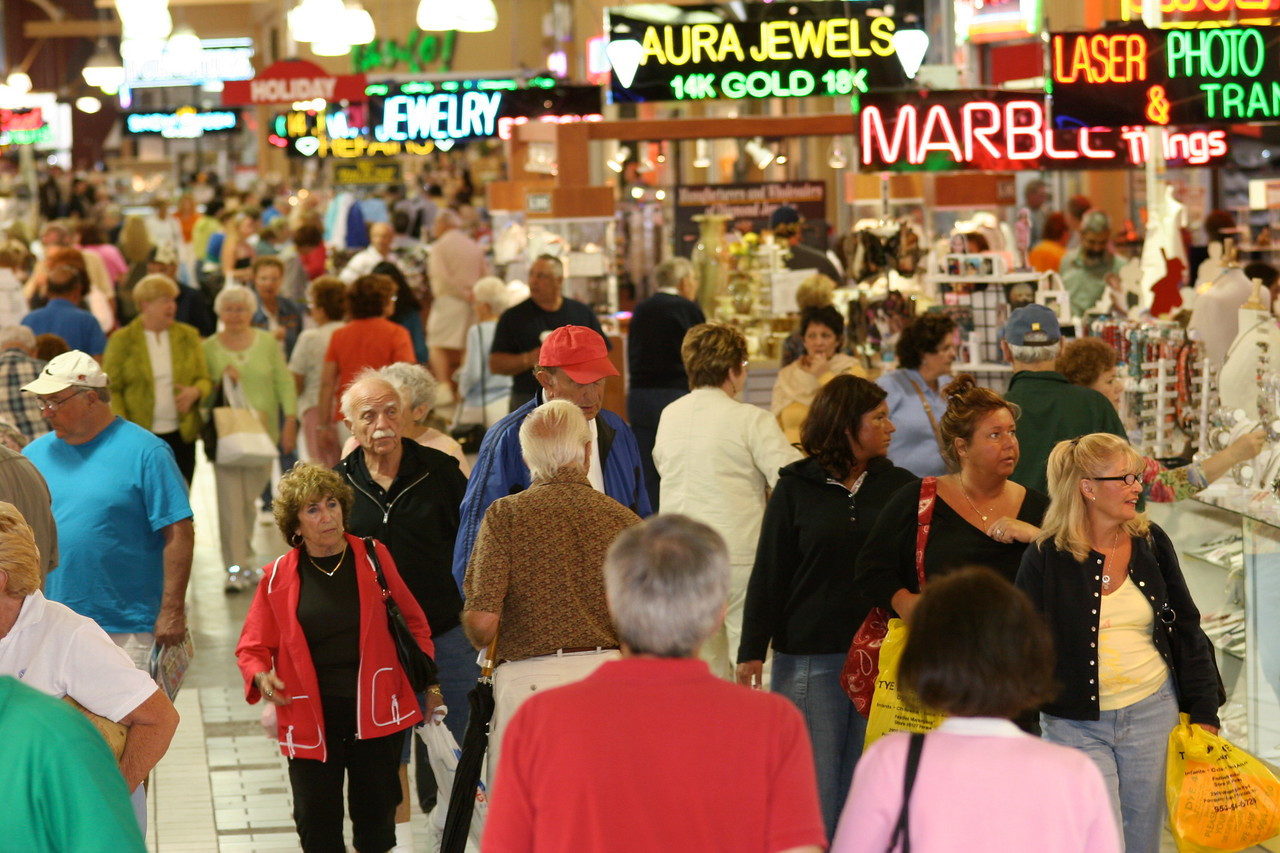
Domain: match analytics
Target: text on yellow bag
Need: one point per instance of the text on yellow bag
(890, 711)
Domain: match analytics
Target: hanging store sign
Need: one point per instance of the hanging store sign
(335, 131)
(1006, 131)
(24, 127)
(782, 50)
(293, 80)
(1135, 75)
(149, 64)
(459, 110)
(750, 205)
(366, 172)
(1131, 10)
(186, 123)
(421, 52)
(1000, 20)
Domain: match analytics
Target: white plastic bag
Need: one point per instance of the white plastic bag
(443, 752)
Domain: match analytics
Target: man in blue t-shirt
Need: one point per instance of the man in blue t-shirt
(124, 522)
(63, 316)
(521, 329)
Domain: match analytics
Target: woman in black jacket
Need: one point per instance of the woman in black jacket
(800, 595)
(1130, 652)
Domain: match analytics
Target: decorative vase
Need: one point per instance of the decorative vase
(711, 260)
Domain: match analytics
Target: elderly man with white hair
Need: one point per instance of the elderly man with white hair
(381, 237)
(455, 265)
(659, 727)
(18, 366)
(543, 595)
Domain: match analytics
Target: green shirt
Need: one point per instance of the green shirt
(1054, 410)
(62, 791)
(264, 375)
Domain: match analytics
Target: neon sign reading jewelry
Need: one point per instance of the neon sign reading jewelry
(992, 131)
(1181, 76)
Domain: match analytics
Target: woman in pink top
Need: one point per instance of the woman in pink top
(979, 652)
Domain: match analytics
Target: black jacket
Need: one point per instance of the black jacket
(1069, 593)
(417, 519)
(801, 594)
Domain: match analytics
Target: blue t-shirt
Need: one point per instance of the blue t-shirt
(112, 498)
(76, 326)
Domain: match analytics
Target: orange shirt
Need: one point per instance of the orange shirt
(1046, 255)
(368, 342)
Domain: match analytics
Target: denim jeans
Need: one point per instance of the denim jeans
(837, 731)
(1129, 746)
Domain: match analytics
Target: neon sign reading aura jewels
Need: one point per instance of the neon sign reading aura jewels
(994, 131)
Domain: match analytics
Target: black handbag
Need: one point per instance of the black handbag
(418, 665)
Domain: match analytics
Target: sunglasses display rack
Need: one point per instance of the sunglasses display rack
(1165, 377)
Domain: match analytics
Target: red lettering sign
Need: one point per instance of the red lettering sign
(12, 120)
(292, 80)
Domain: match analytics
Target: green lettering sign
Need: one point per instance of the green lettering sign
(421, 51)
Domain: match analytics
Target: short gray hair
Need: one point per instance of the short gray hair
(1095, 221)
(668, 274)
(1035, 354)
(449, 217)
(369, 374)
(416, 385)
(553, 437)
(17, 336)
(667, 580)
(492, 291)
(235, 293)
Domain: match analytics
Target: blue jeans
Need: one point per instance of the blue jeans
(458, 673)
(1129, 747)
(837, 731)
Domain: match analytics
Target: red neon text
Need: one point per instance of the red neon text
(1100, 59)
(32, 119)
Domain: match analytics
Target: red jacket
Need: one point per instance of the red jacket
(272, 637)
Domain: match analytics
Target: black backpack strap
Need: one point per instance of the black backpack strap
(901, 832)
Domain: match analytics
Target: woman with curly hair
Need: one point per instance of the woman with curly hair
(926, 349)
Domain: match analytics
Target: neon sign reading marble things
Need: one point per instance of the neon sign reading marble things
(1182, 76)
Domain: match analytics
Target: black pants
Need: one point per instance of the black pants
(184, 452)
(372, 771)
(644, 411)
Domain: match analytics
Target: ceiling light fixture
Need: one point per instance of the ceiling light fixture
(104, 70)
(760, 154)
(88, 104)
(19, 82)
(701, 154)
(465, 16)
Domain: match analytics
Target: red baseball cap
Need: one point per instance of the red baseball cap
(578, 351)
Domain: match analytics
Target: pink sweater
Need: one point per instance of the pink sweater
(982, 786)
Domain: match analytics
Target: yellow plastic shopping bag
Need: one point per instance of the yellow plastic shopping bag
(1220, 797)
(890, 711)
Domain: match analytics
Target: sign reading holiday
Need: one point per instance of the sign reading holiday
(185, 123)
(292, 80)
(1135, 75)
(747, 51)
(458, 110)
(1007, 131)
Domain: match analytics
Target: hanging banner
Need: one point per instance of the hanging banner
(750, 205)
(292, 80)
(1135, 75)
(987, 130)
(746, 51)
(184, 123)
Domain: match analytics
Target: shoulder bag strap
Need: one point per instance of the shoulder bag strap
(901, 831)
(371, 550)
(928, 410)
(928, 499)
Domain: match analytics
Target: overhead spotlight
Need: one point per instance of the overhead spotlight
(637, 193)
(836, 157)
(760, 154)
(104, 70)
(660, 195)
(19, 82)
(620, 156)
(701, 154)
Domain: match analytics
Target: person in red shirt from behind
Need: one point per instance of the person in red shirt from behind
(653, 752)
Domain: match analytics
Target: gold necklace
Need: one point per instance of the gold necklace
(335, 568)
(1106, 558)
(965, 492)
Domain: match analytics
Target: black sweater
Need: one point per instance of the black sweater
(1069, 594)
(801, 591)
(417, 519)
(887, 562)
(656, 333)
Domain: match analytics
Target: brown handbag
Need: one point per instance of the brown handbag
(862, 665)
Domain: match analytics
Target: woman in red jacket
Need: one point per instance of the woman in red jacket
(317, 645)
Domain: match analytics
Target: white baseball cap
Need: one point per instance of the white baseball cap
(67, 370)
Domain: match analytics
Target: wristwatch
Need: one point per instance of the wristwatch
(435, 688)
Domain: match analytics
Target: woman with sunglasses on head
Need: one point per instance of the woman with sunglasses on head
(1130, 652)
(800, 596)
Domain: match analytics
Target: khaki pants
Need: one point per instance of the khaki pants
(720, 651)
(237, 489)
(516, 681)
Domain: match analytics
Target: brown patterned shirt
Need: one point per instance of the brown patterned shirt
(538, 563)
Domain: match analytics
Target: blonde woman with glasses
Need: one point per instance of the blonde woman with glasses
(1130, 652)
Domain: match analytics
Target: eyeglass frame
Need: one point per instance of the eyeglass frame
(48, 405)
(1128, 479)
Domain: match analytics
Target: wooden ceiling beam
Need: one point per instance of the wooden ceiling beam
(66, 29)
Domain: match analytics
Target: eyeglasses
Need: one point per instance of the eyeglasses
(47, 405)
(1127, 479)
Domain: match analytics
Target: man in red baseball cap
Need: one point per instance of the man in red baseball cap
(573, 364)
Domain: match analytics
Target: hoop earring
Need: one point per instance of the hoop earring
(295, 539)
